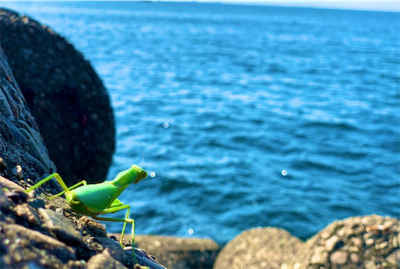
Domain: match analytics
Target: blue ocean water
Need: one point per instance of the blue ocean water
(247, 115)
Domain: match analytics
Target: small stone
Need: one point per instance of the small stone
(325, 235)
(357, 242)
(387, 225)
(17, 171)
(320, 256)
(366, 236)
(370, 265)
(353, 249)
(339, 257)
(396, 241)
(369, 242)
(394, 258)
(383, 245)
(354, 258)
(331, 242)
(349, 233)
(341, 232)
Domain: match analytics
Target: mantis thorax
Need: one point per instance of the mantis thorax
(132, 175)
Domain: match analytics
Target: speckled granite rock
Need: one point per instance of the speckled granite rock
(358, 242)
(65, 95)
(260, 248)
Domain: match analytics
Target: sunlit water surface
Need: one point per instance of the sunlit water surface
(248, 116)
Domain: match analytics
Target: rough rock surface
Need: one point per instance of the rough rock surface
(42, 233)
(360, 242)
(357, 242)
(22, 150)
(259, 248)
(65, 95)
(179, 253)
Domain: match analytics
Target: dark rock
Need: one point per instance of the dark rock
(25, 154)
(61, 226)
(66, 97)
(37, 203)
(16, 234)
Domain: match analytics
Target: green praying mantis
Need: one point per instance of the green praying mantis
(98, 199)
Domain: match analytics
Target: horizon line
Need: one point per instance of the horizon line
(365, 5)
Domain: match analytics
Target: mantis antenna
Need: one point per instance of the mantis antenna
(141, 164)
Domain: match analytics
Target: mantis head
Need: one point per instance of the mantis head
(133, 175)
(140, 173)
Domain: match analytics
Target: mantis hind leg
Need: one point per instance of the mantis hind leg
(60, 182)
(117, 206)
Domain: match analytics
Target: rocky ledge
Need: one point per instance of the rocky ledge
(42, 233)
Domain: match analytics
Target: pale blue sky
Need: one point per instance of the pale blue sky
(388, 5)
